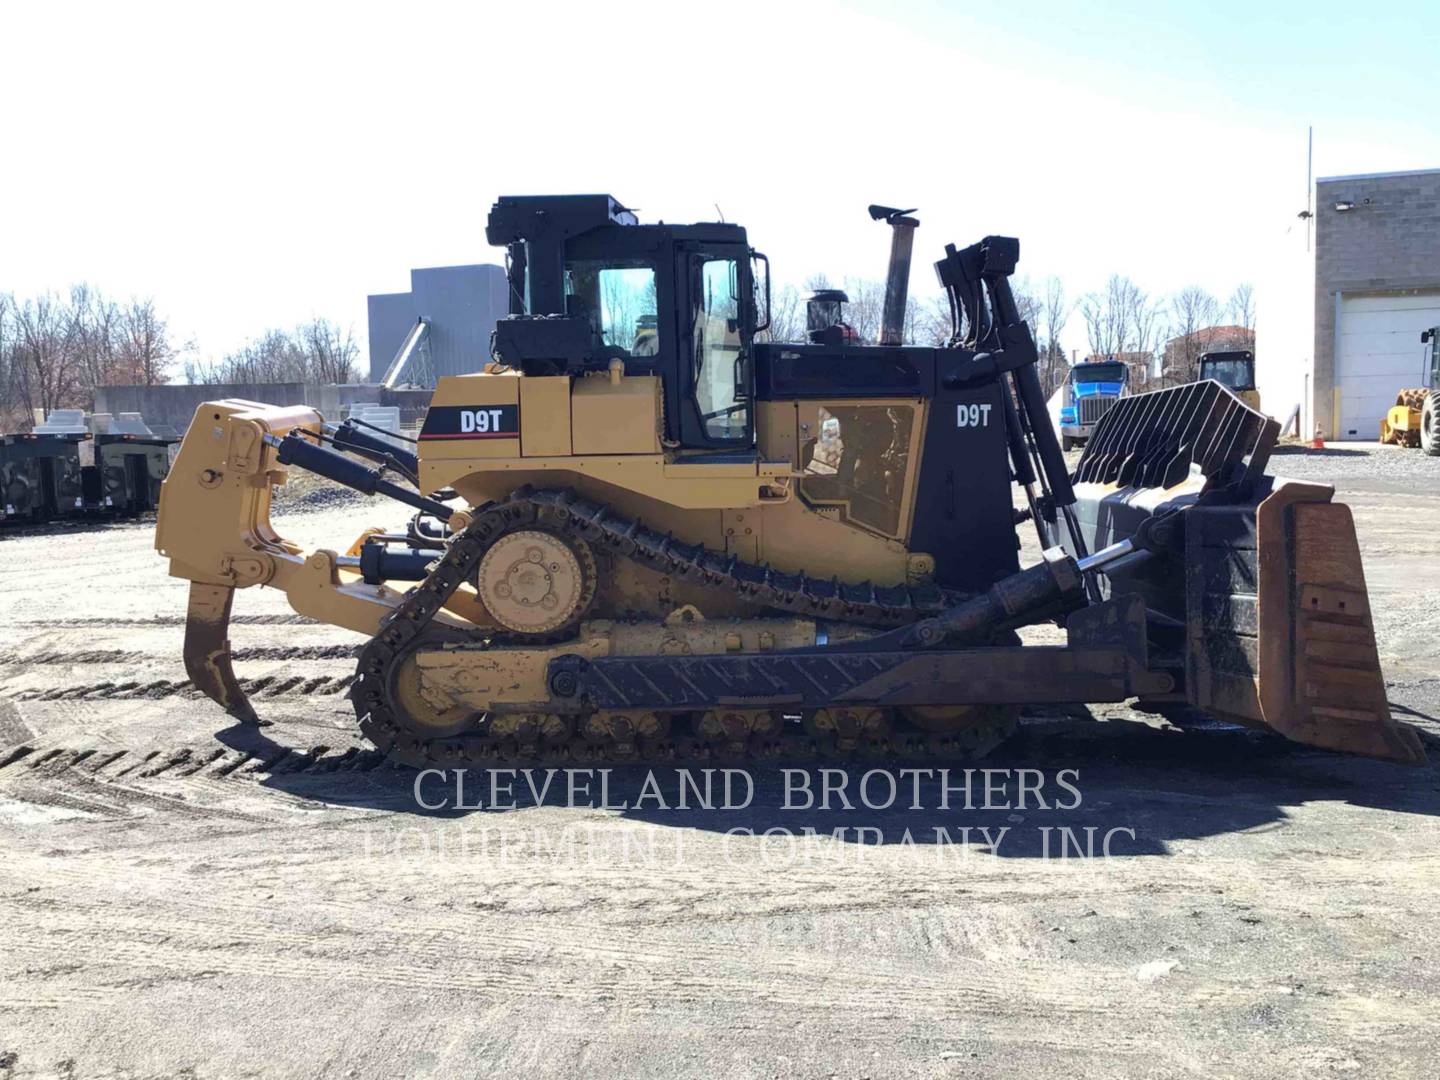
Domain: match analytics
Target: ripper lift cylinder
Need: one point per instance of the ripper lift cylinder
(349, 436)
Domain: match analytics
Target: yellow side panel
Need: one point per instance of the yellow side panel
(742, 533)
(477, 390)
(463, 391)
(545, 416)
(775, 425)
(616, 417)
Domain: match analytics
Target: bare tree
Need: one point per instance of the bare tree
(1028, 301)
(866, 308)
(55, 351)
(1193, 311)
(1242, 305)
(317, 351)
(47, 353)
(1109, 316)
(92, 327)
(331, 352)
(1054, 314)
(787, 316)
(144, 349)
(1147, 333)
(10, 415)
(272, 357)
(1124, 322)
(927, 320)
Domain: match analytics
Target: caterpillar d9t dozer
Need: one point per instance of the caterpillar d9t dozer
(644, 532)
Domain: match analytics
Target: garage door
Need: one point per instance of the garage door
(1378, 354)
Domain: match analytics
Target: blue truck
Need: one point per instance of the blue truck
(1088, 393)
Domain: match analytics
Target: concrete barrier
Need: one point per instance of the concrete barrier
(173, 405)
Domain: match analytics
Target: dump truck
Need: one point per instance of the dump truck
(1089, 392)
(1414, 419)
(645, 533)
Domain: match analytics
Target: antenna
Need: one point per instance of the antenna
(720, 212)
(1309, 184)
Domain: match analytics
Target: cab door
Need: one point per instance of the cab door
(716, 369)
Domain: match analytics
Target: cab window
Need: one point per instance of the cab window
(857, 458)
(619, 298)
(718, 375)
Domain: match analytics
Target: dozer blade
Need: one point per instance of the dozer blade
(1306, 658)
(207, 650)
(1269, 622)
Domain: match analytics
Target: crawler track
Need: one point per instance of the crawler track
(554, 738)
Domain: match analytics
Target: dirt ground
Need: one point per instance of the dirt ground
(182, 896)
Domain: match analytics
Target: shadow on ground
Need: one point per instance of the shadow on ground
(1309, 451)
(1060, 785)
(73, 525)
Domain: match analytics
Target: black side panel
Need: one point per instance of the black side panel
(964, 513)
(787, 372)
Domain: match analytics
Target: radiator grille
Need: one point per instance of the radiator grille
(1093, 408)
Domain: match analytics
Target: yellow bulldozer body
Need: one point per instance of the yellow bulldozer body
(1295, 652)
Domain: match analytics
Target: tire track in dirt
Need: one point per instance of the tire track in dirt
(171, 620)
(186, 761)
(13, 728)
(645, 969)
(59, 778)
(638, 967)
(268, 686)
(120, 656)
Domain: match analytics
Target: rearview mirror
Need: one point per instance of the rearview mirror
(760, 273)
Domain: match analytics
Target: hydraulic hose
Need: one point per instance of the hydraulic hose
(294, 450)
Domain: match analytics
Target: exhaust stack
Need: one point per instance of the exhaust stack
(897, 277)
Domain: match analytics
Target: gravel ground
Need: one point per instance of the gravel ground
(1360, 467)
(180, 896)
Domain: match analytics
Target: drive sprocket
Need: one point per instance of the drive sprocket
(537, 583)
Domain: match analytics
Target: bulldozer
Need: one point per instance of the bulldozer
(647, 531)
(1414, 419)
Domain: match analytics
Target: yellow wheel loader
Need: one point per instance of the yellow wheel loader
(1414, 419)
(647, 533)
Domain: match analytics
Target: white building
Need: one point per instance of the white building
(1344, 298)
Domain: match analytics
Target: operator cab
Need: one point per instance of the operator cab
(1431, 374)
(590, 286)
(1232, 370)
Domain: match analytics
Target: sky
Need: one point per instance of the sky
(255, 165)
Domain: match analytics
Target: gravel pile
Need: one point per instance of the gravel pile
(318, 496)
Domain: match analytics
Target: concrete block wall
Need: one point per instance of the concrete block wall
(1389, 241)
(174, 406)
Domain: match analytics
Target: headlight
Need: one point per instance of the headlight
(1067, 414)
